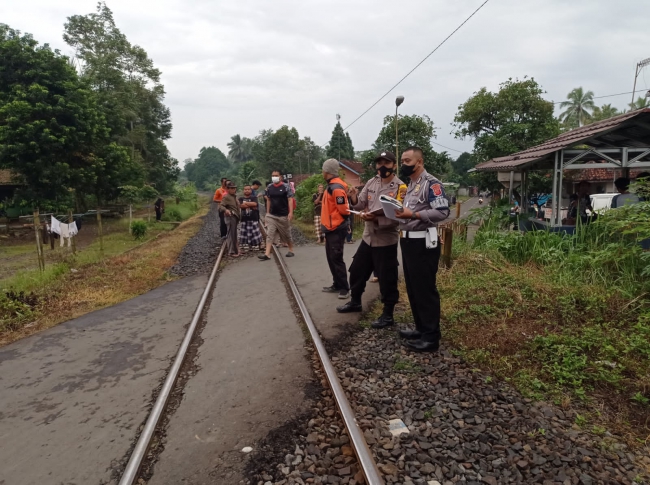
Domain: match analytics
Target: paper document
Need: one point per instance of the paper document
(390, 205)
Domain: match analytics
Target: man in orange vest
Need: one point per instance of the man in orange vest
(218, 196)
(335, 214)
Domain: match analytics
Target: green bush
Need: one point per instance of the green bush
(172, 214)
(304, 192)
(138, 229)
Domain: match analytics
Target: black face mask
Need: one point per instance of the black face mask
(406, 170)
(385, 172)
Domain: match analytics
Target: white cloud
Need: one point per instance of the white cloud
(239, 66)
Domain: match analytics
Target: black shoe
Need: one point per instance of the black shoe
(330, 289)
(422, 346)
(344, 294)
(349, 307)
(289, 255)
(410, 334)
(263, 257)
(383, 321)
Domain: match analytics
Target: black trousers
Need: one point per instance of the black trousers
(420, 268)
(334, 243)
(383, 262)
(223, 228)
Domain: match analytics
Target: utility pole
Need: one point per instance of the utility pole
(338, 121)
(639, 66)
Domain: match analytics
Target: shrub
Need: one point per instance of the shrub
(304, 193)
(138, 229)
(172, 214)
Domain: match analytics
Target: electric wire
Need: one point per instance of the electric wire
(600, 97)
(443, 146)
(417, 65)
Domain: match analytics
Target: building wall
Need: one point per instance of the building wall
(351, 178)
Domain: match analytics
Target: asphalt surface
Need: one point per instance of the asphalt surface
(72, 397)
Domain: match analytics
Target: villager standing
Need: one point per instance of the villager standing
(159, 207)
(335, 216)
(232, 214)
(425, 205)
(218, 196)
(624, 196)
(279, 213)
(249, 230)
(317, 199)
(378, 249)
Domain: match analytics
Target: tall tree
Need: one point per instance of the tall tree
(52, 132)
(277, 150)
(414, 130)
(208, 168)
(640, 103)
(604, 112)
(578, 108)
(510, 120)
(340, 145)
(239, 149)
(460, 166)
(128, 87)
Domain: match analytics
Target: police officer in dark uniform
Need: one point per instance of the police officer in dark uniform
(378, 249)
(425, 205)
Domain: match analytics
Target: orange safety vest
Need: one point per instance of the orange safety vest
(335, 210)
(218, 194)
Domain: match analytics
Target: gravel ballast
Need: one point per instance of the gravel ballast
(463, 428)
(200, 252)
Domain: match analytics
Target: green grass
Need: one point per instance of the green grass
(553, 337)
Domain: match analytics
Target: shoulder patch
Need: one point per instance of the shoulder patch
(437, 190)
(340, 200)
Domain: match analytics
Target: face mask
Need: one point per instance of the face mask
(406, 170)
(385, 172)
(275, 179)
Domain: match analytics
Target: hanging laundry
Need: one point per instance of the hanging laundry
(65, 233)
(55, 227)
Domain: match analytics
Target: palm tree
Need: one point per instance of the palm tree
(239, 149)
(604, 112)
(577, 107)
(640, 103)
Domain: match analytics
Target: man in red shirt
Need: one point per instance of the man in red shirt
(335, 214)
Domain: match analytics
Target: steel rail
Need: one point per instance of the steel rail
(135, 461)
(364, 456)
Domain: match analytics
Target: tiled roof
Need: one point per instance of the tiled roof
(356, 167)
(629, 129)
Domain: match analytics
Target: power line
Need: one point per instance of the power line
(418, 65)
(441, 145)
(600, 97)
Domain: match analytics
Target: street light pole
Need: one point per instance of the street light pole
(399, 100)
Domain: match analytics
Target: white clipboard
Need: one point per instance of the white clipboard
(390, 206)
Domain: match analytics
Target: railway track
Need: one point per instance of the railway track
(362, 451)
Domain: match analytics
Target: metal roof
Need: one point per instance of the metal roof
(630, 129)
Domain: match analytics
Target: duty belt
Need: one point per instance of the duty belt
(413, 234)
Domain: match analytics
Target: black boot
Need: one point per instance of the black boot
(383, 321)
(410, 334)
(350, 307)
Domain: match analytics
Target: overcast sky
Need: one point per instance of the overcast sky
(239, 66)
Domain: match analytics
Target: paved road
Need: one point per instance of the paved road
(73, 396)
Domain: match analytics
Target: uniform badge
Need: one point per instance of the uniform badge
(437, 190)
(417, 187)
(391, 194)
(340, 200)
(369, 197)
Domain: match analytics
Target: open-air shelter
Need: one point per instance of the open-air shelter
(621, 142)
